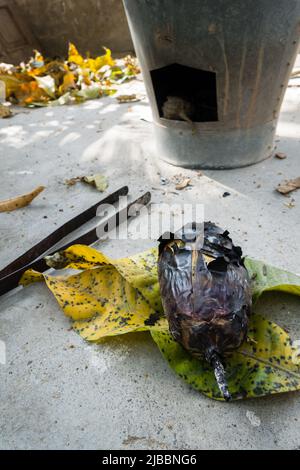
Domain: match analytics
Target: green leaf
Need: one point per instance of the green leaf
(111, 297)
(264, 365)
(62, 100)
(88, 93)
(268, 278)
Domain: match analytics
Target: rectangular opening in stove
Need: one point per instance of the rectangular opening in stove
(185, 93)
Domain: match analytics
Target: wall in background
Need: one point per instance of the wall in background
(90, 24)
(16, 39)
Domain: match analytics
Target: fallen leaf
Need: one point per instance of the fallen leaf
(268, 278)
(6, 68)
(44, 82)
(280, 155)
(101, 61)
(290, 204)
(30, 92)
(20, 201)
(88, 93)
(111, 297)
(47, 83)
(99, 181)
(37, 62)
(128, 98)
(183, 184)
(62, 100)
(68, 84)
(260, 367)
(74, 55)
(289, 186)
(5, 112)
(72, 181)
(11, 84)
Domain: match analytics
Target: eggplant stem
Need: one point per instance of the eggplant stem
(220, 375)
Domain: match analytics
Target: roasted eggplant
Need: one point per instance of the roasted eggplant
(206, 293)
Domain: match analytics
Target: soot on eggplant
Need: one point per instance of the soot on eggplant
(206, 293)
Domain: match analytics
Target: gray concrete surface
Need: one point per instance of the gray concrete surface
(89, 24)
(58, 392)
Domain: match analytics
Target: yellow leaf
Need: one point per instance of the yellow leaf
(28, 93)
(76, 79)
(68, 83)
(31, 276)
(110, 297)
(85, 76)
(36, 64)
(105, 59)
(74, 55)
(38, 58)
(11, 84)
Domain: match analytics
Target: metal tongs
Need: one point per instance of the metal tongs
(33, 258)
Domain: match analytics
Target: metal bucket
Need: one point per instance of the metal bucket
(225, 64)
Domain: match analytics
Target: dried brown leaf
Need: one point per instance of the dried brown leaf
(289, 186)
(183, 184)
(99, 181)
(280, 155)
(128, 98)
(72, 181)
(20, 201)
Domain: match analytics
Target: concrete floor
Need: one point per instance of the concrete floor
(59, 392)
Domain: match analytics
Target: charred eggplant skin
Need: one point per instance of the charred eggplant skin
(205, 290)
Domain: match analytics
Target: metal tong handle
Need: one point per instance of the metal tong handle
(11, 280)
(65, 229)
